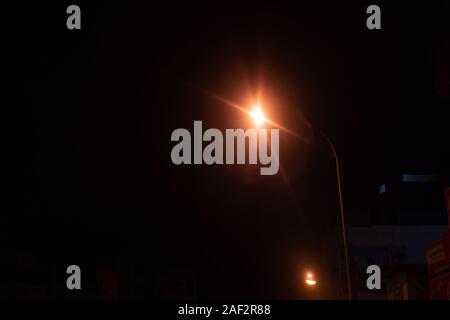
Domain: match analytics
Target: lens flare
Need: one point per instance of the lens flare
(258, 116)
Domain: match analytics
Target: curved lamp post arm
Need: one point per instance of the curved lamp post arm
(341, 207)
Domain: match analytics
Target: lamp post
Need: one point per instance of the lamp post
(258, 118)
(342, 215)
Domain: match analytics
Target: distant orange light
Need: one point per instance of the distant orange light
(310, 280)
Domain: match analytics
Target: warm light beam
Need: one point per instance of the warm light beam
(258, 116)
(244, 110)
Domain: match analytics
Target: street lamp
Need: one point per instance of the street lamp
(258, 118)
(341, 207)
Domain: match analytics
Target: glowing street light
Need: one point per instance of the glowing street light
(258, 116)
(310, 281)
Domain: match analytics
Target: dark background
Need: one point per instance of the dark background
(95, 109)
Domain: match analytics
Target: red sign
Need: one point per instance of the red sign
(440, 287)
(447, 200)
(438, 255)
(446, 239)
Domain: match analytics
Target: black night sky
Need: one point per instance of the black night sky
(96, 108)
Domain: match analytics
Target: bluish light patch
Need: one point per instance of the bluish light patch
(419, 177)
(382, 188)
